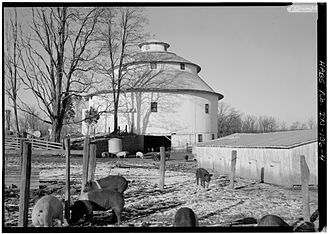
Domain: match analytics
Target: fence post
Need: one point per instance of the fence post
(91, 162)
(233, 166)
(67, 180)
(262, 175)
(304, 187)
(25, 185)
(162, 167)
(85, 162)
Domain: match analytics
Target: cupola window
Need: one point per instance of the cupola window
(153, 66)
(153, 106)
(182, 66)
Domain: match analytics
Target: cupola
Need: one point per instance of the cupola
(153, 46)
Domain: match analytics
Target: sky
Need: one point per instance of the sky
(262, 59)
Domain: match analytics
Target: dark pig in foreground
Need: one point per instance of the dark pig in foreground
(45, 210)
(203, 175)
(185, 217)
(97, 200)
(272, 220)
(114, 182)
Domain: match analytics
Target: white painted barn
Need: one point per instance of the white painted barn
(163, 99)
(278, 153)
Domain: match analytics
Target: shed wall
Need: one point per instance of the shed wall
(311, 155)
(281, 166)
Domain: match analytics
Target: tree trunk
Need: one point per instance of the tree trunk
(56, 130)
(115, 120)
(16, 119)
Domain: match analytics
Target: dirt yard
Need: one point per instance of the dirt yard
(146, 205)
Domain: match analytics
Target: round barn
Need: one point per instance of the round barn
(163, 98)
(272, 157)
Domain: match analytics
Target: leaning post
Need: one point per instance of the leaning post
(25, 185)
(233, 166)
(304, 187)
(162, 167)
(67, 180)
(91, 162)
(85, 162)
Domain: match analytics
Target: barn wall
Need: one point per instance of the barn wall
(311, 155)
(182, 114)
(280, 165)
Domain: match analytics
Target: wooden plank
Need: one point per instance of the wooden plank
(162, 168)
(67, 181)
(91, 162)
(305, 187)
(233, 167)
(25, 186)
(85, 162)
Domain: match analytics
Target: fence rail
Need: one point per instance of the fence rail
(13, 143)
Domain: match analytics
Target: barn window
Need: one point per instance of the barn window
(206, 108)
(153, 66)
(200, 137)
(154, 107)
(182, 66)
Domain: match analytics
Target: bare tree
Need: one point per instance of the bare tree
(123, 29)
(229, 120)
(267, 124)
(283, 126)
(249, 124)
(57, 59)
(311, 123)
(11, 59)
(31, 120)
(295, 125)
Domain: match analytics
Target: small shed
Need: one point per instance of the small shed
(274, 156)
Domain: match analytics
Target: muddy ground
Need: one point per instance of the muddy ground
(147, 205)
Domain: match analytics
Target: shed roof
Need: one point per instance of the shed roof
(282, 140)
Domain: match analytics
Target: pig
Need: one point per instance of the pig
(185, 217)
(97, 200)
(122, 154)
(203, 175)
(272, 220)
(139, 154)
(45, 210)
(114, 182)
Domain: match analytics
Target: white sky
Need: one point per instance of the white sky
(262, 59)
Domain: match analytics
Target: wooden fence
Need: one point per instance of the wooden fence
(13, 143)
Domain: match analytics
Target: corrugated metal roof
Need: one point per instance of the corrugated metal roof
(285, 140)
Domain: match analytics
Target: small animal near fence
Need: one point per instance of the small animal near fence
(89, 164)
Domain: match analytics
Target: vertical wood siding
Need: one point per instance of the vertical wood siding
(281, 166)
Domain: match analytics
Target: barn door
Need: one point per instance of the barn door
(273, 173)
